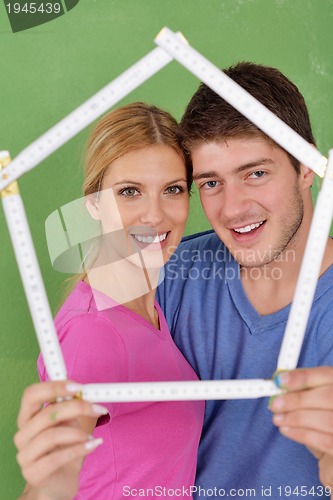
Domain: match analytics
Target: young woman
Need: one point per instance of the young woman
(111, 329)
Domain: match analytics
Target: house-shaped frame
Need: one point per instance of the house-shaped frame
(171, 46)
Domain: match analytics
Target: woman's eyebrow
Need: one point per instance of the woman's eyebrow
(140, 184)
(181, 179)
(128, 182)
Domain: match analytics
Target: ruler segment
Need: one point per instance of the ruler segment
(85, 114)
(31, 277)
(240, 99)
(309, 273)
(176, 391)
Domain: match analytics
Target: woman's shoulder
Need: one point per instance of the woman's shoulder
(87, 309)
(79, 303)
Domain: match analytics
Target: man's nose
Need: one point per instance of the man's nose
(235, 202)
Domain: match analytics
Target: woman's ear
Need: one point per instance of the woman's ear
(92, 206)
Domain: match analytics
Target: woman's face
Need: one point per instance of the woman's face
(143, 205)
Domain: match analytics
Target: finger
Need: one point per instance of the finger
(37, 473)
(305, 378)
(318, 398)
(326, 470)
(319, 440)
(37, 394)
(54, 415)
(316, 453)
(317, 420)
(49, 441)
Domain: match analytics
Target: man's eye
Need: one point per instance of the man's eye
(130, 192)
(257, 174)
(209, 184)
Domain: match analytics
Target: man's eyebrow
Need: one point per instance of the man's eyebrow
(205, 175)
(256, 163)
(246, 166)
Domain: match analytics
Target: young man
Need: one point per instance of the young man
(227, 295)
(227, 306)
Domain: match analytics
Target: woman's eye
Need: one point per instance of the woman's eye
(257, 174)
(130, 192)
(174, 190)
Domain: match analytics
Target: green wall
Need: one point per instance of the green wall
(47, 71)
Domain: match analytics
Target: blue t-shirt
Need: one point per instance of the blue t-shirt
(241, 452)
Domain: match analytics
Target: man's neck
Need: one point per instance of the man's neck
(270, 288)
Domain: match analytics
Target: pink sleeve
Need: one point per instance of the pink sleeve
(93, 351)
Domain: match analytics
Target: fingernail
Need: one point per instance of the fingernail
(281, 380)
(284, 430)
(276, 403)
(278, 418)
(100, 410)
(93, 443)
(74, 388)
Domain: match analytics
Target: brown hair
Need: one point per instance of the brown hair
(208, 117)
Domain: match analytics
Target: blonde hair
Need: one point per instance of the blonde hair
(131, 127)
(122, 130)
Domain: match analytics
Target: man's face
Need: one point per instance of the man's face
(252, 196)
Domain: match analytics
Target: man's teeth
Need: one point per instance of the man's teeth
(150, 239)
(249, 228)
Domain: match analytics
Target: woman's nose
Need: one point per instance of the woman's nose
(152, 213)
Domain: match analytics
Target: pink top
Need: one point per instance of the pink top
(148, 448)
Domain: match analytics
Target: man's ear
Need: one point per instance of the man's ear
(92, 206)
(307, 176)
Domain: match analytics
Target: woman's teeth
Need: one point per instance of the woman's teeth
(150, 239)
(249, 228)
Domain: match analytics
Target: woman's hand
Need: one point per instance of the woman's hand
(305, 414)
(50, 442)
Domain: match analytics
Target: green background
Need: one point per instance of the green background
(49, 70)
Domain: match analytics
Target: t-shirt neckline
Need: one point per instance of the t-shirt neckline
(255, 322)
(161, 332)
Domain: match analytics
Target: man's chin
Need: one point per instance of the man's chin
(248, 266)
(254, 258)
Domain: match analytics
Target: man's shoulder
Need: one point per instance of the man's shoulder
(205, 247)
(204, 239)
(201, 236)
(324, 293)
(200, 249)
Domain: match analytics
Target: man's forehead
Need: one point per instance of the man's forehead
(227, 142)
(232, 154)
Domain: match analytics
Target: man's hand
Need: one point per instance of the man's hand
(305, 413)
